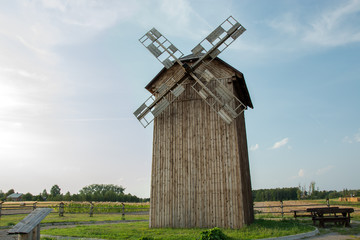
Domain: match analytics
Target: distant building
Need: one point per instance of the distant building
(15, 197)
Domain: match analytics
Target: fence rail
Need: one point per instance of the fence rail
(90, 208)
(288, 209)
(71, 208)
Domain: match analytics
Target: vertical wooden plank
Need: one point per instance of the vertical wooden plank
(213, 159)
(205, 170)
(217, 177)
(179, 164)
(174, 164)
(166, 168)
(222, 183)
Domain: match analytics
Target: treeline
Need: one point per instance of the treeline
(298, 193)
(94, 192)
(276, 194)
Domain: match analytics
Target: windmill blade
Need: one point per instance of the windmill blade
(161, 48)
(165, 94)
(219, 39)
(222, 100)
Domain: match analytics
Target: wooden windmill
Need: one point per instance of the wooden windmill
(200, 166)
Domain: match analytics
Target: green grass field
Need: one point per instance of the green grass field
(266, 225)
(136, 230)
(10, 220)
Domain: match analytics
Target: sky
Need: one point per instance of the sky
(72, 72)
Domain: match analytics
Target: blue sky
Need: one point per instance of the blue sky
(73, 72)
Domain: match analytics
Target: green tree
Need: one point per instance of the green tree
(2, 195)
(55, 191)
(27, 197)
(44, 195)
(67, 196)
(102, 192)
(11, 191)
(102, 189)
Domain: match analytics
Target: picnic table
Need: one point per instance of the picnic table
(331, 214)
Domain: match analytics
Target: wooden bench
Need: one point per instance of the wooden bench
(296, 213)
(29, 227)
(331, 214)
(335, 219)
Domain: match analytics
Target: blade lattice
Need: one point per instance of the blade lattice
(229, 30)
(161, 48)
(220, 99)
(165, 94)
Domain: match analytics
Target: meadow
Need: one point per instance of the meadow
(268, 223)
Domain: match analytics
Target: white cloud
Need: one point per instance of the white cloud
(355, 138)
(324, 170)
(280, 143)
(254, 147)
(286, 23)
(334, 27)
(300, 174)
(178, 18)
(330, 26)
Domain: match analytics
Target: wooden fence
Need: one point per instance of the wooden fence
(15, 208)
(279, 208)
(61, 208)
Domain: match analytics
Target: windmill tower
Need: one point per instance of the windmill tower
(200, 167)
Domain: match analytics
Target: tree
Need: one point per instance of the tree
(312, 188)
(27, 197)
(102, 192)
(11, 191)
(55, 190)
(102, 189)
(2, 196)
(44, 195)
(67, 196)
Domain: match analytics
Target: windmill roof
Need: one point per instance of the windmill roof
(240, 85)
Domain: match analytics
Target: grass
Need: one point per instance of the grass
(135, 230)
(84, 207)
(9, 220)
(354, 230)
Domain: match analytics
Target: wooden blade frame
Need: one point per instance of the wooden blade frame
(161, 47)
(168, 54)
(219, 39)
(222, 100)
(168, 92)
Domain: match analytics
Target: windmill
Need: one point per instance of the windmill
(200, 168)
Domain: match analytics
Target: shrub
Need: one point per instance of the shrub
(146, 238)
(213, 234)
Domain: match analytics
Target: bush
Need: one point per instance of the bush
(213, 234)
(146, 238)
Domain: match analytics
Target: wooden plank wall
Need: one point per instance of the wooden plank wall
(200, 168)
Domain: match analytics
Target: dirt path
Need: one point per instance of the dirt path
(5, 236)
(335, 236)
(349, 233)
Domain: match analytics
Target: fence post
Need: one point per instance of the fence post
(61, 209)
(123, 211)
(34, 206)
(328, 202)
(282, 208)
(0, 207)
(91, 209)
